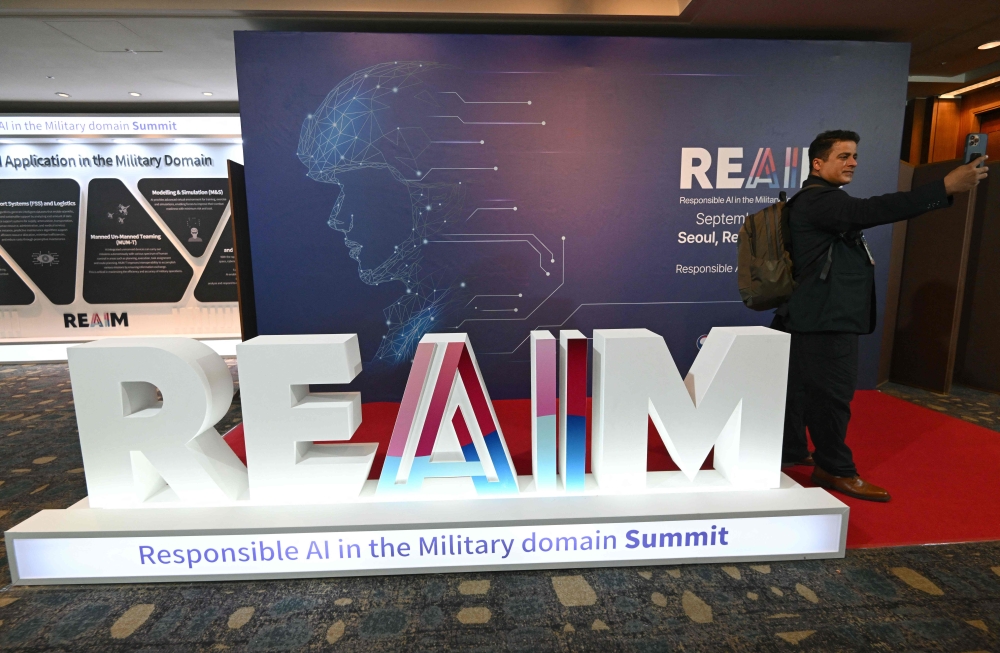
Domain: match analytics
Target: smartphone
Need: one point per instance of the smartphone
(975, 146)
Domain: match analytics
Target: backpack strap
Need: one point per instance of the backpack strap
(825, 272)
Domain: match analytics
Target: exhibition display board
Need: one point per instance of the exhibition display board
(116, 226)
(400, 184)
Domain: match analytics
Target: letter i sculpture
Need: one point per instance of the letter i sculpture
(543, 409)
(572, 409)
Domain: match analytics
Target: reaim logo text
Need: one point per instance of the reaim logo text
(696, 163)
(81, 320)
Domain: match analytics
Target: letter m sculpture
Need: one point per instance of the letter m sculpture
(733, 399)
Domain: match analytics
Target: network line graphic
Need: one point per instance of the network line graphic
(374, 119)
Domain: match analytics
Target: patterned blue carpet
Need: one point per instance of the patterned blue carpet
(933, 598)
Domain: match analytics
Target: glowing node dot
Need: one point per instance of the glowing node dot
(515, 208)
(520, 294)
(515, 310)
(418, 173)
(425, 241)
(395, 90)
(429, 207)
(387, 322)
(548, 274)
(462, 284)
(564, 237)
(482, 142)
(552, 260)
(543, 123)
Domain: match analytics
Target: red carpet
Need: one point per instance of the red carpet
(941, 471)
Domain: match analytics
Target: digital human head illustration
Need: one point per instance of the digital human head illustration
(370, 126)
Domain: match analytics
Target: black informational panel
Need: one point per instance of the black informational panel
(13, 291)
(39, 224)
(127, 257)
(218, 280)
(241, 249)
(191, 207)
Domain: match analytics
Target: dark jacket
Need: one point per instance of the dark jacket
(822, 214)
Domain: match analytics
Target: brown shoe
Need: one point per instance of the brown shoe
(805, 462)
(852, 486)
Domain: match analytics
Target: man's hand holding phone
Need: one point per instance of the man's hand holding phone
(965, 178)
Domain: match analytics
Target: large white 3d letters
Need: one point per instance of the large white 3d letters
(139, 451)
(134, 445)
(733, 399)
(288, 429)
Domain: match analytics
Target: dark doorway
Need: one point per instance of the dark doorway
(989, 123)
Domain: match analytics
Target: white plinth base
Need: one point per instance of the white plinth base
(87, 545)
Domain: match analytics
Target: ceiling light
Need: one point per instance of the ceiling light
(63, 94)
(134, 94)
(965, 89)
(990, 45)
(207, 93)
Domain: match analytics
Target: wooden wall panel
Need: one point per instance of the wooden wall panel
(978, 359)
(931, 289)
(918, 130)
(945, 128)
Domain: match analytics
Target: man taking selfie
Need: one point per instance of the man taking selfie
(834, 301)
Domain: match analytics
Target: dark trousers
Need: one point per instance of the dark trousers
(822, 375)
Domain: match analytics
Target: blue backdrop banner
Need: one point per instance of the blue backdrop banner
(405, 183)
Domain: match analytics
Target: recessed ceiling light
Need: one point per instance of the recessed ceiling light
(208, 93)
(990, 45)
(63, 94)
(134, 94)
